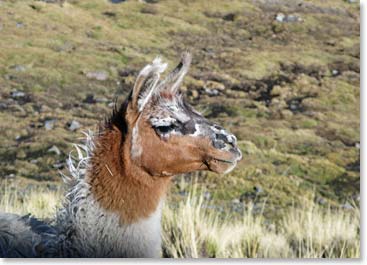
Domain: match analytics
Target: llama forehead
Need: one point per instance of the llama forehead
(167, 111)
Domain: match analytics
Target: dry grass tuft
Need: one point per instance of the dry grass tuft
(40, 202)
(190, 230)
(306, 231)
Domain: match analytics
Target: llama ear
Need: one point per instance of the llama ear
(146, 83)
(173, 81)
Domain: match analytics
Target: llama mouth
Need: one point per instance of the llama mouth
(219, 165)
(222, 160)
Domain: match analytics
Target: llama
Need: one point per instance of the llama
(117, 188)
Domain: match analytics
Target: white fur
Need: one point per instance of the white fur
(156, 67)
(230, 168)
(91, 231)
(156, 122)
(197, 131)
(136, 147)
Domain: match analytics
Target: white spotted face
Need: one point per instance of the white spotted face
(170, 126)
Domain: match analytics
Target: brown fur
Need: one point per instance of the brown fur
(134, 186)
(120, 186)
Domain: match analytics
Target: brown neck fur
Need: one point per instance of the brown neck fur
(119, 185)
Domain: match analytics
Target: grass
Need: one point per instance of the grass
(40, 202)
(309, 150)
(192, 229)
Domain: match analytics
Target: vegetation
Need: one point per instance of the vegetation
(192, 229)
(282, 75)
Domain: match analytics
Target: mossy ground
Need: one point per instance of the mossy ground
(291, 88)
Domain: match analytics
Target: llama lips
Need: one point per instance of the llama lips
(229, 161)
(224, 165)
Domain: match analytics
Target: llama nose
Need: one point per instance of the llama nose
(224, 140)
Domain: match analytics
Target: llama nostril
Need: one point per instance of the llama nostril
(221, 137)
(219, 144)
(225, 139)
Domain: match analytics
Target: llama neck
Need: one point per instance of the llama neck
(115, 211)
(88, 230)
(121, 186)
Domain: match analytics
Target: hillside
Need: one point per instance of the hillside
(282, 75)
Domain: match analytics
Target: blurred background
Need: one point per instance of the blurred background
(282, 75)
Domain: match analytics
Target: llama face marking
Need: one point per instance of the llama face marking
(181, 139)
(183, 120)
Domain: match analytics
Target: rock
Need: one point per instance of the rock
(236, 201)
(229, 17)
(347, 206)
(36, 125)
(3, 106)
(258, 189)
(58, 165)
(49, 124)
(127, 72)
(74, 125)
(54, 149)
(295, 105)
(18, 68)
(17, 94)
(10, 176)
(321, 201)
(117, 1)
(352, 1)
(101, 100)
(214, 85)
(335, 72)
(292, 18)
(89, 99)
(211, 92)
(247, 196)
(358, 146)
(280, 17)
(51, 1)
(150, 1)
(20, 25)
(207, 195)
(97, 75)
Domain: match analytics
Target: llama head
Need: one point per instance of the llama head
(166, 135)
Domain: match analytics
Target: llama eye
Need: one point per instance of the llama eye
(164, 129)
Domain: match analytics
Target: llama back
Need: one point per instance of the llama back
(26, 237)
